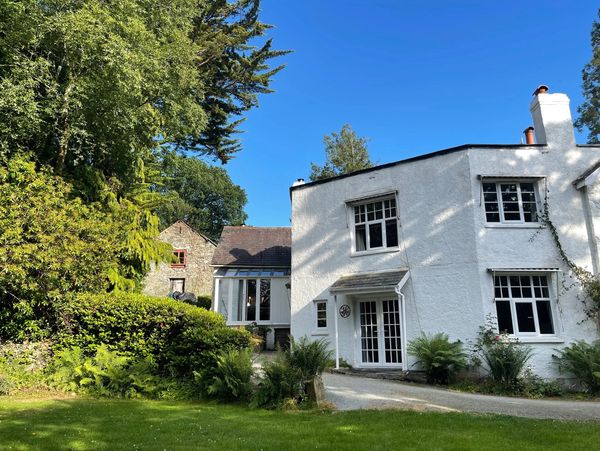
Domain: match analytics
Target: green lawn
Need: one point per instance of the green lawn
(95, 424)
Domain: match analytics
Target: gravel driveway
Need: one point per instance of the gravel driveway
(354, 392)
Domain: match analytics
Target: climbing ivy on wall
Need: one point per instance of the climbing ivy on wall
(589, 282)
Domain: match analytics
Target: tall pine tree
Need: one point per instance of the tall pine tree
(589, 111)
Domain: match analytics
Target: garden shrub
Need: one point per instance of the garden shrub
(310, 357)
(504, 356)
(530, 385)
(179, 337)
(440, 358)
(21, 366)
(204, 302)
(106, 373)
(281, 384)
(582, 360)
(231, 379)
(285, 379)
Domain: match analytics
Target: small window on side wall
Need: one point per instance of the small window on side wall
(179, 258)
(177, 285)
(321, 314)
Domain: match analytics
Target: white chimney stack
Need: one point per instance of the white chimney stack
(552, 119)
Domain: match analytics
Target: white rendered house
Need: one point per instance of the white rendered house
(438, 242)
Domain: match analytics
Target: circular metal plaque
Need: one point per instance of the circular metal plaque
(345, 311)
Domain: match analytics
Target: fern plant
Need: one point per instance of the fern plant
(440, 358)
(310, 357)
(107, 373)
(232, 380)
(281, 384)
(582, 360)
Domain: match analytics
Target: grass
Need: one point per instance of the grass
(108, 424)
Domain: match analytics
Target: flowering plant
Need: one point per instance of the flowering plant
(503, 355)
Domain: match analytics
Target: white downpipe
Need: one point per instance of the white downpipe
(216, 299)
(403, 332)
(335, 322)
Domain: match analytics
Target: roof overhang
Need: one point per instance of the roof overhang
(523, 269)
(371, 282)
(510, 177)
(589, 177)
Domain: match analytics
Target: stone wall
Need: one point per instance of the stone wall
(197, 272)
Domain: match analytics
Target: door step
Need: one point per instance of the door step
(382, 373)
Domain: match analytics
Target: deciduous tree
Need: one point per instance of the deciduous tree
(202, 194)
(101, 83)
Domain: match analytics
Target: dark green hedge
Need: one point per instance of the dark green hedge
(181, 338)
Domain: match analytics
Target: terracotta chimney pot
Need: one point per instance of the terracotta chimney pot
(529, 136)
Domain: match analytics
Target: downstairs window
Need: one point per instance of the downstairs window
(523, 305)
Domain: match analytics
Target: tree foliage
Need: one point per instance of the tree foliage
(589, 111)
(203, 195)
(51, 245)
(345, 152)
(100, 84)
(91, 92)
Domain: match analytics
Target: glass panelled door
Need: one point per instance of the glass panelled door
(380, 341)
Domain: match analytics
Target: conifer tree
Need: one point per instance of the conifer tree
(345, 152)
(589, 111)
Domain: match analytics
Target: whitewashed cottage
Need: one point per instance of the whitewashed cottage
(438, 242)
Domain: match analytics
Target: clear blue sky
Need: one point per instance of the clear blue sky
(412, 76)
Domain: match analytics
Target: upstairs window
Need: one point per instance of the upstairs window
(375, 225)
(510, 202)
(523, 305)
(179, 258)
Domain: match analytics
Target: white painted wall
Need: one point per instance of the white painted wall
(444, 240)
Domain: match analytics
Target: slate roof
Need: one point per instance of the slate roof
(254, 246)
(366, 281)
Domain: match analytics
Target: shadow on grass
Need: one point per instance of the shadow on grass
(98, 424)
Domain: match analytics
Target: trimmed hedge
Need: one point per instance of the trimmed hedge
(179, 337)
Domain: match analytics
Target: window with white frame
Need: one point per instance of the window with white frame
(321, 314)
(251, 300)
(375, 225)
(523, 304)
(510, 202)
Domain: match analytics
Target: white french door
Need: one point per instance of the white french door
(380, 341)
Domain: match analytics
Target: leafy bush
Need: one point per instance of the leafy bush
(204, 302)
(310, 357)
(531, 385)
(281, 384)
(582, 360)
(107, 373)
(231, 378)
(440, 358)
(21, 366)
(285, 379)
(179, 337)
(504, 357)
(52, 244)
